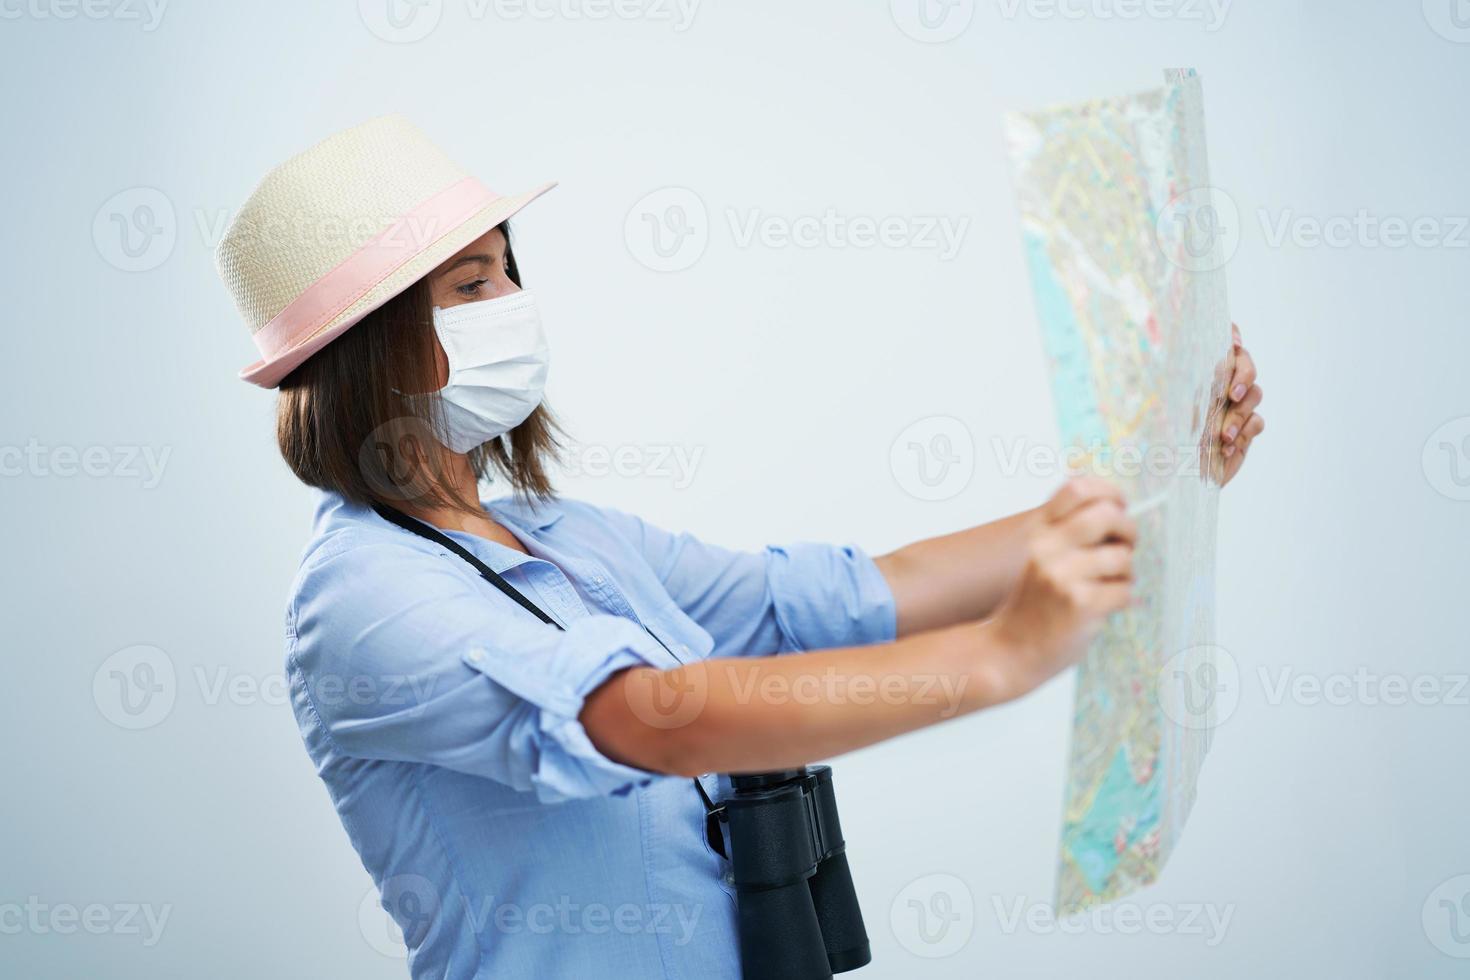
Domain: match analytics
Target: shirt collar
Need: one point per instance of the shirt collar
(531, 517)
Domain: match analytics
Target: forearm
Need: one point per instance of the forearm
(763, 713)
(957, 578)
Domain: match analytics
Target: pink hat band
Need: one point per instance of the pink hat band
(382, 255)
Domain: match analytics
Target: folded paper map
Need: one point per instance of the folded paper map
(1125, 244)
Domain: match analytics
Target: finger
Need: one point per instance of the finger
(1078, 492)
(1244, 376)
(1108, 597)
(1099, 521)
(1231, 467)
(1235, 418)
(1108, 562)
(1235, 334)
(1251, 428)
(1254, 426)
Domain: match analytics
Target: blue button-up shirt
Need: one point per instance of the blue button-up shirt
(443, 719)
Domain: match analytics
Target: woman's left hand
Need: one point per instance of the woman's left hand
(1242, 423)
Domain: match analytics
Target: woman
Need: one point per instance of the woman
(500, 695)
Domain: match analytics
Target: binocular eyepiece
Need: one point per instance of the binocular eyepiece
(798, 913)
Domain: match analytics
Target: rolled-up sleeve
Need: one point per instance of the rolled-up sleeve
(397, 658)
(828, 596)
(776, 600)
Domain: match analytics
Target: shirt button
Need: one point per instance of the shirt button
(476, 656)
(597, 580)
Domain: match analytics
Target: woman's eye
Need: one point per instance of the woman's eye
(470, 289)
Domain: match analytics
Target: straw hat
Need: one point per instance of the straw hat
(335, 232)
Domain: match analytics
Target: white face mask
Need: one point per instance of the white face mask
(497, 367)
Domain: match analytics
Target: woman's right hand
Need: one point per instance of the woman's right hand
(1079, 569)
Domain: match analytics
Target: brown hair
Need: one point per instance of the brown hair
(343, 422)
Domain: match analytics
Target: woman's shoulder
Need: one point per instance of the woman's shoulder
(350, 541)
(545, 512)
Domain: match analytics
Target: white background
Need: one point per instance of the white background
(1321, 830)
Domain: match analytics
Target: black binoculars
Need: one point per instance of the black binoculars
(798, 914)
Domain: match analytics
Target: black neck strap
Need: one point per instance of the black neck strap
(395, 516)
(430, 533)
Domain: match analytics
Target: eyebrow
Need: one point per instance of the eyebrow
(467, 260)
